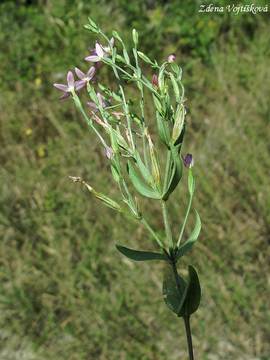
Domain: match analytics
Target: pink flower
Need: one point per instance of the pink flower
(71, 86)
(84, 78)
(100, 52)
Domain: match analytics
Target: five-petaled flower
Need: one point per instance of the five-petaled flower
(71, 86)
(188, 160)
(84, 78)
(100, 52)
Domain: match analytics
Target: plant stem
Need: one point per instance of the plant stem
(166, 223)
(152, 232)
(186, 317)
(189, 337)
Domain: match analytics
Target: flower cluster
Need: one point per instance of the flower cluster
(123, 133)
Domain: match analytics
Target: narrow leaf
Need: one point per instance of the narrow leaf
(193, 297)
(176, 175)
(192, 239)
(140, 185)
(178, 123)
(138, 255)
(175, 87)
(163, 130)
(144, 57)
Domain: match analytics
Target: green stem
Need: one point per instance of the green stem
(185, 220)
(176, 276)
(186, 317)
(88, 120)
(189, 337)
(166, 223)
(106, 61)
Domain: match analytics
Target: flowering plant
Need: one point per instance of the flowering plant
(135, 161)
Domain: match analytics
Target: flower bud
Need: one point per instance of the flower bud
(188, 161)
(135, 37)
(155, 80)
(171, 58)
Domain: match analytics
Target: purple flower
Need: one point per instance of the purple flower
(84, 78)
(188, 161)
(171, 58)
(71, 86)
(100, 52)
(155, 80)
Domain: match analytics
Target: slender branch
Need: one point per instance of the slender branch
(88, 120)
(150, 229)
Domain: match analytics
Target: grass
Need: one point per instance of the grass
(65, 292)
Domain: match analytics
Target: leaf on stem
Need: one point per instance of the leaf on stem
(137, 255)
(193, 296)
(174, 293)
(176, 173)
(140, 185)
(192, 238)
(182, 297)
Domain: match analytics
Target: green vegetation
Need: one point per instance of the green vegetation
(66, 293)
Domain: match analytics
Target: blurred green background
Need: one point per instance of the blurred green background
(65, 291)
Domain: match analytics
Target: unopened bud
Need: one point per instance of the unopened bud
(188, 161)
(155, 80)
(171, 58)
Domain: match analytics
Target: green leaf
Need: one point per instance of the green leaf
(144, 57)
(182, 298)
(174, 295)
(193, 297)
(163, 130)
(175, 87)
(140, 255)
(161, 82)
(176, 175)
(143, 169)
(105, 199)
(175, 68)
(180, 139)
(126, 57)
(178, 123)
(192, 239)
(157, 104)
(140, 185)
